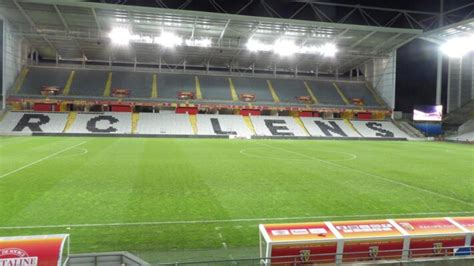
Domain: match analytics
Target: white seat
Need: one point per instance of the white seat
(379, 129)
(102, 123)
(164, 124)
(319, 127)
(29, 122)
(468, 136)
(276, 126)
(222, 125)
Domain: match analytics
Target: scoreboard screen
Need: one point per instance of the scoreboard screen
(428, 113)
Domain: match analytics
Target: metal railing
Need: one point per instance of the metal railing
(395, 256)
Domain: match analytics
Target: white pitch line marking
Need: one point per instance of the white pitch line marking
(373, 175)
(40, 160)
(246, 152)
(234, 220)
(83, 152)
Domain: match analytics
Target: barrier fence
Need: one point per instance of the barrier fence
(428, 254)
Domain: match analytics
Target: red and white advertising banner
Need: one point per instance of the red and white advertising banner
(381, 240)
(47, 250)
(350, 241)
(315, 238)
(431, 237)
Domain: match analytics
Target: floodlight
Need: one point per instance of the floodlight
(203, 42)
(328, 50)
(168, 39)
(309, 49)
(284, 47)
(458, 47)
(120, 36)
(257, 46)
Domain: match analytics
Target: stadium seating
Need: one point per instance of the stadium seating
(169, 85)
(215, 88)
(207, 88)
(38, 77)
(28, 122)
(89, 83)
(255, 86)
(277, 126)
(102, 123)
(465, 132)
(318, 127)
(375, 129)
(164, 124)
(357, 90)
(222, 125)
(469, 136)
(138, 83)
(289, 90)
(325, 92)
(170, 123)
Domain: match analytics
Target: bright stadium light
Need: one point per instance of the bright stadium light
(203, 42)
(120, 36)
(169, 40)
(458, 47)
(328, 50)
(285, 47)
(258, 46)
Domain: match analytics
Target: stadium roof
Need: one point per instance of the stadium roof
(72, 30)
(456, 30)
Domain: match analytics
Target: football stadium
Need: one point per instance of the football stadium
(212, 132)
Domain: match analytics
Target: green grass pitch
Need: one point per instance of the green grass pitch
(194, 199)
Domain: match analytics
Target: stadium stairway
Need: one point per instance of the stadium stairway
(310, 92)
(249, 124)
(275, 97)
(2, 114)
(408, 129)
(154, 87)
(108, 84)
(233, 92)
(343, 97)
(67, 88)
(21, 78)
(301, 124)
(349, 123)
(135, 118)
(198, 90)
(374, 93)
(70, 121)
(193, 121)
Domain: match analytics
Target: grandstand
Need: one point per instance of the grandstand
(169, 133)
(90, 85)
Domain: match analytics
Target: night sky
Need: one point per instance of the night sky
(416, 61)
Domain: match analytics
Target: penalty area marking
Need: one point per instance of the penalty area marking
(374, 175)
(233, 220)
(40, 160)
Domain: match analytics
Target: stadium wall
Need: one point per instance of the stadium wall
(381, 74)
(460, 81)
(12, 58)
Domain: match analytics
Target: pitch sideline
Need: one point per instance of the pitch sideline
(232, 220)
